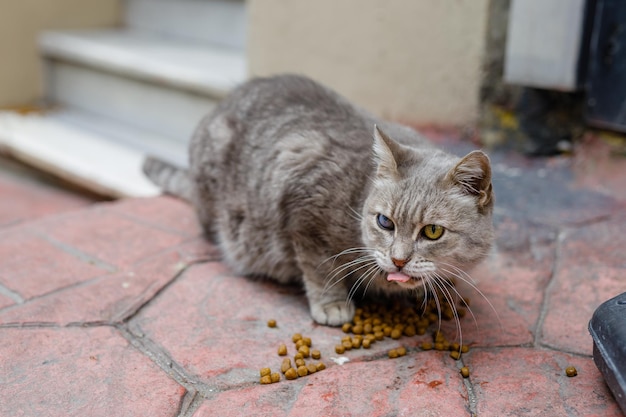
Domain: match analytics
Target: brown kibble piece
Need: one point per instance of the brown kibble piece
(358, 329)
(298, 355)
(316, 354)
(339, 349)
(346, 327)
(265, 371)
(271, 323)
(275, 377)
(282, 350)
(392, 353)
(401, 351)
(300, 362)
(347, 345)
(356, 343)
(266, 379)
(302, 371)
(455, 354)
(320, 366)
(304, 349)
(426, 346)
(464, 349)
(396, 334)
(291, 374)
(296, 337)
(286, 365)
(571, 371)
(366, 344)
(465, 372)
(311, 368)
(307, 341)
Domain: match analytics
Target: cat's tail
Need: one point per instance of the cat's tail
(170, 178)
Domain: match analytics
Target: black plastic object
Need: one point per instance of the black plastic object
(606, 101)
(608, 330)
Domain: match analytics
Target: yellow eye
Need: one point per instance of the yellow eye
(432, 231)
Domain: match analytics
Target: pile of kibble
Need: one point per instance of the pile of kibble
(299, 367)
(372, 323)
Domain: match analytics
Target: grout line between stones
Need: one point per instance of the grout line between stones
(77, 253)
(548, 288)
(161, 358)
(191, 402)
(7, 292)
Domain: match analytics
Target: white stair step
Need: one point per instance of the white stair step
(53, 143)
(152, 82)
(220, 22)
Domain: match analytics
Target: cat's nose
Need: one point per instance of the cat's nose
(399, 262)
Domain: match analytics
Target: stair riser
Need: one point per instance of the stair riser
(156, 108)
(221, 22)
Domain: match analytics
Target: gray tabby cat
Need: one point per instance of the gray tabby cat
(295, 183)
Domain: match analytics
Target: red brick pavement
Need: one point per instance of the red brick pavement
(120, 309)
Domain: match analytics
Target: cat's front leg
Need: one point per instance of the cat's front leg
(328, 306)
(328, 301)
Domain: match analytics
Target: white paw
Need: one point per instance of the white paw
(334, 313)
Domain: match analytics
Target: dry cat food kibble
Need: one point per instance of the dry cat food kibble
(571, 371)
(271, 323)
(465, 372)
(300, 367)
(375, 322)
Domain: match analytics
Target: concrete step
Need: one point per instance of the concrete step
(217, 22)
(94, 153)
(160, 84)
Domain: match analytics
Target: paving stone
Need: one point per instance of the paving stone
(591, 270)
(532, 382)
(599, 165)
(427, 384)
(541, 191)
(109, 298)
(80, 372)
(165, 213)
(107, 236)
(26, 199)
(5, 301)
(31, 265)
(512, 280)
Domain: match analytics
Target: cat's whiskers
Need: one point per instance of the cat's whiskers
(466, 278)
(369, 273)
(444, 287)
(355, 214)
(341, 272)
(348, 251)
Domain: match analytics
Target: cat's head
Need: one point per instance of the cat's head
(427, 215)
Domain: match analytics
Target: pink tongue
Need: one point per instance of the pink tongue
(398, 276)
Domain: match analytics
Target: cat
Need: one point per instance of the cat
(295, 183)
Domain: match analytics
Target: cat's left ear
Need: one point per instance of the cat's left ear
(473, 175)
(386, 153)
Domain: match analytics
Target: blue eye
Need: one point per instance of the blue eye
(384, 222)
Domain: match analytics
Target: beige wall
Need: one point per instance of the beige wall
(22, 20)
(418, 61)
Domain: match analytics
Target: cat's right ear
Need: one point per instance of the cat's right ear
(385, 154)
